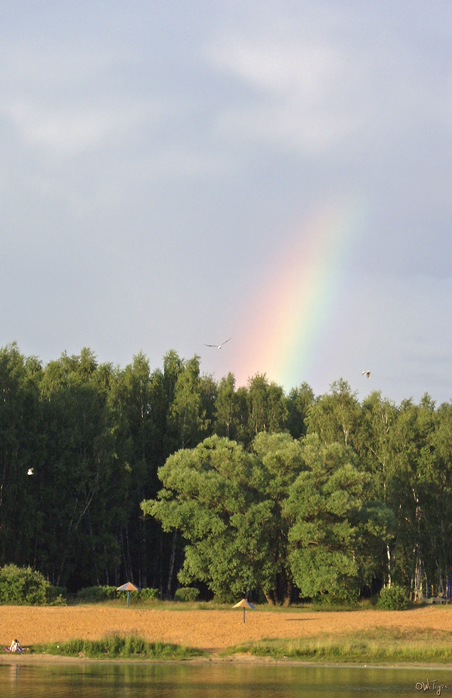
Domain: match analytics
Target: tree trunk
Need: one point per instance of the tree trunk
(172, 563)
(143, 567)
(269, 597)
(388, 554)
(287, 601)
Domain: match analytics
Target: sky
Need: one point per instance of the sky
(176, 173)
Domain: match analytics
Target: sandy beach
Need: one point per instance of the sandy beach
(209, 630)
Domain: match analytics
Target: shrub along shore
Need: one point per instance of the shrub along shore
(380, 646)
(118, 647)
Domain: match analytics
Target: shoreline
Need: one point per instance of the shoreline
(247, 660)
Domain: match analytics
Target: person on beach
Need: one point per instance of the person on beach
(15, 646)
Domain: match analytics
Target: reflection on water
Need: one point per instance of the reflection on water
(216, 681)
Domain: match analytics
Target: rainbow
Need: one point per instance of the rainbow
(290, 316)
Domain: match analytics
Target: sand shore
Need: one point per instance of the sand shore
(209, 630)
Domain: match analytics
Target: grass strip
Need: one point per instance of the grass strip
(118, 646)
(157, 604)
(379, 645)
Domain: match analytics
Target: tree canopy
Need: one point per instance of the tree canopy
(165, 476)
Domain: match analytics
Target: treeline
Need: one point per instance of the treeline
(293, 494)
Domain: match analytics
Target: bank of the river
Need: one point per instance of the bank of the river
(416, 634)
(247, 660)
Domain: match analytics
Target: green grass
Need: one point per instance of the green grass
(154, 604)
(380, 645)
(221, 606)
(118, 647)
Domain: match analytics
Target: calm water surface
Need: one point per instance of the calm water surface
(217, 681)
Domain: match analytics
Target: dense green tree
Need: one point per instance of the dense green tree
(226, 408)
(431, 503)
(267, 409)
(187, 419)
(298, 403)
(374, 443)
(207, 497)
(209, 396)
(280, 463)
(95, 436)
(437, 475)
(232, 411)
(79, 468)
(325, 504)
(397, 445)
(21, 446)
(227, 504)
(138, 406)
(335, 416)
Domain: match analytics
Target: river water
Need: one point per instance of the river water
(135, 680)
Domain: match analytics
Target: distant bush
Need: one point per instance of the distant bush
(23, 586)
(148, 594)
(57, 596)
(338, 596)
(100, 593)
(106, 593)
(393, 598)
(186, 594)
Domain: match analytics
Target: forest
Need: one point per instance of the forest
(167, 477)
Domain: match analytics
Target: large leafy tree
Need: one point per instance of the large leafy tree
(207, 496)
(437, 478)
(325, 505)
(227, 503)
(280, 462)
(421, 474)
(280, 513)
(79, 468)
(137, 403)
(375, 445)
(187, 423)
(397, 446)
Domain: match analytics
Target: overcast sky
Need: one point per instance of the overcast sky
(176, 173)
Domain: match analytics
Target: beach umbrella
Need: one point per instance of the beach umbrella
(244, 603)
(128, 586)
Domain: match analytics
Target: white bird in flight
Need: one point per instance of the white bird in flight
(366, 373)
(30, 471)
(217, 346)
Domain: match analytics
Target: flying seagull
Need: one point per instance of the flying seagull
(366, 373)
(217, 346)
(30, 471)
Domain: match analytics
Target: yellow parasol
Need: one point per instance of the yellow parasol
(128, 586)
(244, 603)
